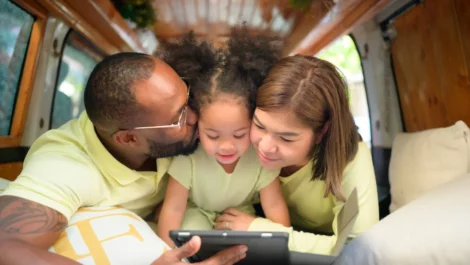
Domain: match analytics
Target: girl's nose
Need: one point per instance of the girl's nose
(227, 147)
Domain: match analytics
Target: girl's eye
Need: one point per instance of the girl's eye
(212, 137)
(239, 136)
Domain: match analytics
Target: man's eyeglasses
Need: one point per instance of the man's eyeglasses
(181, 121)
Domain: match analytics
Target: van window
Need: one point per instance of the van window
(16, 26)
(344, 55)
(78, 60)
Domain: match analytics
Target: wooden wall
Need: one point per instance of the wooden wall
(431, 56)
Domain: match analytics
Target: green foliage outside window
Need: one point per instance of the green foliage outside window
(343, 53)
(140, 12)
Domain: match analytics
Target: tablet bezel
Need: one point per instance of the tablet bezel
(266, 247)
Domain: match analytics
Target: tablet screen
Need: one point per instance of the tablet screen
(263, 247)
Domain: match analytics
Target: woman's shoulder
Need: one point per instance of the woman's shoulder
(363, 154)
(361, 165)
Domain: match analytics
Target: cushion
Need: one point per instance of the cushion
(422, 161)
(109, 235)
(433, 229)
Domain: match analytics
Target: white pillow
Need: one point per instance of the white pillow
(109, 235)
(433, 229)
(422, 161)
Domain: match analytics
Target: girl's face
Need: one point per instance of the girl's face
(224, 128)
(281, 139)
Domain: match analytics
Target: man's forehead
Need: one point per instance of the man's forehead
(163, 83)
(164, 90)
(164, 74)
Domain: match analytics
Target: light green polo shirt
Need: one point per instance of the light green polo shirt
(310, 210)
(69, 167)
(214, 190)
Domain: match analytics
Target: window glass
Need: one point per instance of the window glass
(78, 60)
(16, 26)
(344, 55)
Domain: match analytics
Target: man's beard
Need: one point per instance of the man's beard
(158, 150)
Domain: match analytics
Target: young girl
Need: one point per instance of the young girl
(224, 171)
(303, 125)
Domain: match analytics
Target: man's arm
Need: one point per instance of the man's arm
(27, 230)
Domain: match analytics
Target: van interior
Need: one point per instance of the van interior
(406, 62)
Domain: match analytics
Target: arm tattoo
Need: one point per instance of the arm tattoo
(21, 216)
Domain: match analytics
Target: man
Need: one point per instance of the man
(136, 111)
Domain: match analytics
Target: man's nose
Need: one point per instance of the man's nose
(192, 117)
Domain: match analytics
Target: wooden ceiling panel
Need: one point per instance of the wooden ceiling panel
(340, 18)
(299, 31)
(214, 19)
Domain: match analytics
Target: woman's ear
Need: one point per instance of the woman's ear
(125, 137)
(323, 131)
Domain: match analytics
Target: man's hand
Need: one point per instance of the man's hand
(226, 257)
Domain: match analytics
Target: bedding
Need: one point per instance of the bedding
(107, 236)
(422, 161)
(433, 229)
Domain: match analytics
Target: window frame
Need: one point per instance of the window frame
(28, 73)
(366, 90)
(90, 45)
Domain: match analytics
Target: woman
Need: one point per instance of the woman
(303, 125)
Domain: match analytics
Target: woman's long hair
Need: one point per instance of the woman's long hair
(316, 92)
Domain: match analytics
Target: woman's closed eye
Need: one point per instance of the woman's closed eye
(259, 126)
(287, 140)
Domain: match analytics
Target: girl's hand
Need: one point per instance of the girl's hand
(233, 219)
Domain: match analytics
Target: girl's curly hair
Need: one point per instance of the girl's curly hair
(236, 70)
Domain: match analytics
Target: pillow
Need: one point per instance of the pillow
(109, 235)
(422, 161)
(433, 229)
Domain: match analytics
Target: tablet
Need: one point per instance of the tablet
(263, 247)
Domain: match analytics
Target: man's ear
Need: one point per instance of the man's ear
(126, 137)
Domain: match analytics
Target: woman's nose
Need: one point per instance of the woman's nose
(267, 145)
